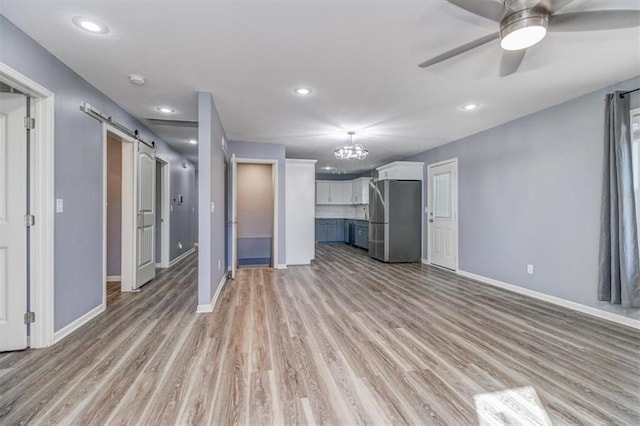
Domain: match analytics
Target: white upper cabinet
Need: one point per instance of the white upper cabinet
(330, 192)
(360, 191)
(401, 170)
(323, 192)
(347, 192)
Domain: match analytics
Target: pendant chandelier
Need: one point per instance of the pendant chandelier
(351, 151)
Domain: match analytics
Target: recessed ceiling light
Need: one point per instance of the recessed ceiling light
(166, 110)
(137, 79)
(302, 91)
(470, 107)
(327, 168)
(193, 141)
(90, 25)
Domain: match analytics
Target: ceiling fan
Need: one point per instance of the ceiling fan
(524, 23)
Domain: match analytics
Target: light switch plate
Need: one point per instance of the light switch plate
(213, 207)
(59, 205)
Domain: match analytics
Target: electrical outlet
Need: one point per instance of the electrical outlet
(218, 264)
(59, 205)
(213, 207)
(530, 269)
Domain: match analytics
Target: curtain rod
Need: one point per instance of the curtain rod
(99, 115)
(630, 91)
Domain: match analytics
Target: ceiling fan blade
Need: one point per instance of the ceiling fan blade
(486, 8)
(461, 49)
(553, 5)
(510, 61)
(594, 21)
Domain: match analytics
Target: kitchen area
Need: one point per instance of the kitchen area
(381, 216)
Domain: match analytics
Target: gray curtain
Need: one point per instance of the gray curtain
(619, 275)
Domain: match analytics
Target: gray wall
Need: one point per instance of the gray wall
(268, 151)
(529, 192)
(78, 243)
(114, 205)
(211, 189)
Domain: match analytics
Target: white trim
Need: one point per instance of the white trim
(609, 316)
(165, 202)
(300, 161)
(203, 309)
(127, 259)
(74, 325)
(113, 278)
(42, 204)
(280, 266)
(426, 261)
(276, 199)
(457, 204)
(182, 256)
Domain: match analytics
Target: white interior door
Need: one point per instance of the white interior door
(145, 214)
(234, 215)
(13, 234)
(443, 214)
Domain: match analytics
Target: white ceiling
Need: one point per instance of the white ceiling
(360, 58)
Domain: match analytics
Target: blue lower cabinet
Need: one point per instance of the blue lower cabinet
(339, 231)
(348, 231)
(362, 237)
(329, 230)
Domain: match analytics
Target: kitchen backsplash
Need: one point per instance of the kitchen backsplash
(342, 212)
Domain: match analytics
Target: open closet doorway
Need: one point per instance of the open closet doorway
(136, 182)
(115, 235)
(255, 213)
(163, 212)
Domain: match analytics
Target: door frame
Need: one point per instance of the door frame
(165, 207)
(454, 196)
(276, 196)
(41, 250)
(127, 249)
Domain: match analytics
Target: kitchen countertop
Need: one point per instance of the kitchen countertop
(342, 218)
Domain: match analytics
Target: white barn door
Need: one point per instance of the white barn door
(13, 233)
(145, 214)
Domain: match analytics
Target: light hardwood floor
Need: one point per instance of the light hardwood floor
(349, 340)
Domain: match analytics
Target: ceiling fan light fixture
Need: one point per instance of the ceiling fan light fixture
(523, 29)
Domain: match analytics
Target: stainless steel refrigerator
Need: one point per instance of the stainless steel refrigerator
(395, 225)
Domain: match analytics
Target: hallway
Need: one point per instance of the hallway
(348, 340)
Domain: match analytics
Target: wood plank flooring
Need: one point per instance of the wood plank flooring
(348, 340)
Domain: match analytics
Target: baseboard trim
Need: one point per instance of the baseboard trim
(182, 256)
(74, 325)
(609, 316)
(113, 278)
(207, 308)
(426, 261)
(280, 266)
